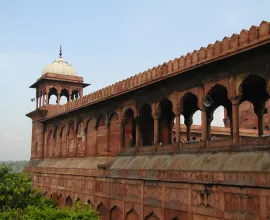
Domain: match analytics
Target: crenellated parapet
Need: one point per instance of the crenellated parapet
(229, 46)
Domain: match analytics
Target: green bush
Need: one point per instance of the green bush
(19, 201)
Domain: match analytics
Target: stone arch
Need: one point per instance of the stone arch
(132, 215)
(75, 94)
(60, 200)
(63, 136)
(50, 143)
(188, 106)
(91, 137)
(219, 96)
(102, 132)
(129, 128)
(89, 203)
(52, 92)
(69, 201)
(151, 216)
(165, 121)
(81, 140)
(115, 133)
(115, 213)
(64, 93)
(71, 140)
(146, 125)
(258, 97)
(102, 211)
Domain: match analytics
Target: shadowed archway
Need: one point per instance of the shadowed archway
(129, 128)
(189, 104)
(165, 122)
(258, 97)
(146, 125)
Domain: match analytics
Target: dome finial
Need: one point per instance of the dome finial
(60, 52)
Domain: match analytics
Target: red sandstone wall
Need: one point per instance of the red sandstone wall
(37, 140)
(136, 199)
(91, 139)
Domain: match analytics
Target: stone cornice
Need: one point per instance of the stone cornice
(241, 178)
(246, 40)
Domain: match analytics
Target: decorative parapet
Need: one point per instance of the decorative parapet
(220, 49)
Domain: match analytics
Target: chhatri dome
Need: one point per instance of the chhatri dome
(60, 66)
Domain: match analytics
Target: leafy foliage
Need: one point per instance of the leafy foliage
(19, 201)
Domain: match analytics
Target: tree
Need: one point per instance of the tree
(18, 200)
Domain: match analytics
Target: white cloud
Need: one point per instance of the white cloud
(13, 136)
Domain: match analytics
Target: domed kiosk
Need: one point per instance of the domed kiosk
(60, 66)
(58, 78)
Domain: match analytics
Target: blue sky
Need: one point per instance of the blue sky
(105, 41)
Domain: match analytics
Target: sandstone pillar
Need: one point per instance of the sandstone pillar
(40, 95)
(156, 117)
(209, 119)
(235, 121)
(204, 124)
(36, 102)
(259, 110)
(58, 99)
(177, 129)
(260, 123)
(43, 97)
(47, 98)
(188, 123)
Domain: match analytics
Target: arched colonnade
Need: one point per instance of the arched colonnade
(106, 212)
(150, 124)
(44, 95)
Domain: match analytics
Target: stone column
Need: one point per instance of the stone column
(156, 117)
(235, 120)
(231, 126)
(81, 93)
(188, 123)
(69, 98)
(204, 124)
(259, 110)
(43, 97)
(47, 98)
(137, 131)
(260, 123)
(40, 95)
(58, 99)
(37, 102)
(177, 114)
(209, 119)
(177, 129)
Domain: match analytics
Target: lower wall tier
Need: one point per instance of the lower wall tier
(132, 199)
